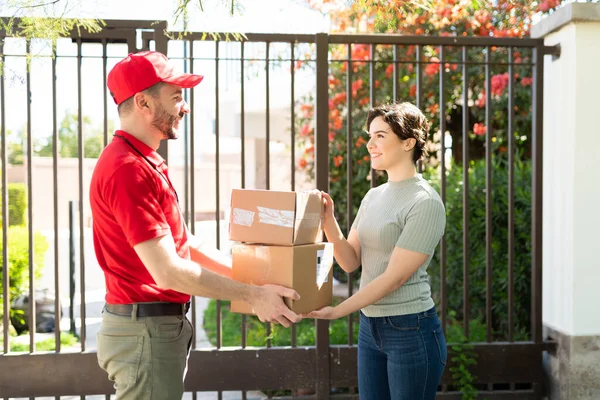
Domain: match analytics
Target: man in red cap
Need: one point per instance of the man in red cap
(151, 262)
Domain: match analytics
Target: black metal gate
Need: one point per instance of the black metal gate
(510, 368)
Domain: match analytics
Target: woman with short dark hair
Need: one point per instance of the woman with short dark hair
(401, 344)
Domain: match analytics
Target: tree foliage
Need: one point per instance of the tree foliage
(48, 19)
(68, 142)
(43, 19)
(361, 76)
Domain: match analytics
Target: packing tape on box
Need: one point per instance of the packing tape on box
(324, 263)
(262, 252)
(271, 216)
(310, 220)
(243, 217)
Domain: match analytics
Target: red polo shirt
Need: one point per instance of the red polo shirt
(133, 201)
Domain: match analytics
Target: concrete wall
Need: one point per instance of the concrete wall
(571, 216)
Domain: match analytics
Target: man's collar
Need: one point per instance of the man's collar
(140, 146)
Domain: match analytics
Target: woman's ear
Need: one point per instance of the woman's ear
(410, 144)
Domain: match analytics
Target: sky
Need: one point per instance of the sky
(260, 16)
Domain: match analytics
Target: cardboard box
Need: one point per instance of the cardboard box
(274, 217)
(306, 269)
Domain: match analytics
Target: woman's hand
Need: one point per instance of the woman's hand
(329, 206)
(323, 313)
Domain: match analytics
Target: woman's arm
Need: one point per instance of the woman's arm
(422, 232)
(403, 264)
(345, 251)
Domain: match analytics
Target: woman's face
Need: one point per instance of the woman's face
(385, 148)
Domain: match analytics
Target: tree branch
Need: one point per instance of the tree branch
(40, 5)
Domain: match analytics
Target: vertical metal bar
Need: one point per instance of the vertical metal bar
(268, 125)
(293, 144)
(322, 114)
(5, 277)
(372, 92)
(72, 328)
(57, 308)
(293, 126)
(218, 197)
(511, 196)
(322, 175)
(131, 41)
(217, 144)
(267, 150)
(394, 74)
(420, 74)
(32, 322)
(80, 156)
(192, 181)
(349, 174)
(442, 116)
(186, 142)
(511, 201)
(536, 197)
(161, 44)
(442, 123)
(243, 113)
(488, 197)
(105, 90)
(243, 156)
(465, 149)
(192, 156)
(219, 325)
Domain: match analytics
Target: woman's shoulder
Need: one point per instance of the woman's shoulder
(426, 198)
(424, 191)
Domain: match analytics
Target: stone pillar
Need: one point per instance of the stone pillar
(571, 216)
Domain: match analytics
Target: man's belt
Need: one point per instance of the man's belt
(149, 309)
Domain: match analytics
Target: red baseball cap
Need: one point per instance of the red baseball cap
(139, 71)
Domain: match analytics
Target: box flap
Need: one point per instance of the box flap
(313, 273)
(309, 217)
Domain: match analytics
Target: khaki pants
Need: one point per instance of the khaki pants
(146, 357)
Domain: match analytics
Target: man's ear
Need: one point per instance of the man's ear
(141, 102)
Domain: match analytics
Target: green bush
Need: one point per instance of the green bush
(256, 332)
(18, 259)
(17, 204)
(67, 340)
(476, 244)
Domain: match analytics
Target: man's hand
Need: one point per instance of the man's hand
(269, 306)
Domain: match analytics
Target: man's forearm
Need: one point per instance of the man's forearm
(211, 259)
(188, 277)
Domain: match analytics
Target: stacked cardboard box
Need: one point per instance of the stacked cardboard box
(281, 235)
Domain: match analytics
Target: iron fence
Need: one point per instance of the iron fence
(507, 368)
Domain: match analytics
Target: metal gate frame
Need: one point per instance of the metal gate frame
(322, 366)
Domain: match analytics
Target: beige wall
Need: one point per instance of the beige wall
(571, 174)
(205, 185)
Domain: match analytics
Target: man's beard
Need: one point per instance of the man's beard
(164, 122)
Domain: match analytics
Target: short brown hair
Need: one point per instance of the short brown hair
(125, 107)
(406, 121)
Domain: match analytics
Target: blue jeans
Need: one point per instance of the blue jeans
(400, 357)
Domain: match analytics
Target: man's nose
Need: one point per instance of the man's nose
(185, 108)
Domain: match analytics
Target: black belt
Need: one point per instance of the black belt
(149, 309)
